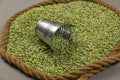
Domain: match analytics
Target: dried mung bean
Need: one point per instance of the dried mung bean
(97, 30)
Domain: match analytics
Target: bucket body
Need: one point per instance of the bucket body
(47, 31)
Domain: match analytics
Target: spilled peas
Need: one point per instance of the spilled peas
(96, 29)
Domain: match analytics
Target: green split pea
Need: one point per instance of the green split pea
(97, 29)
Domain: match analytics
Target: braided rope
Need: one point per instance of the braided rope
(103, 63)
(82, 73)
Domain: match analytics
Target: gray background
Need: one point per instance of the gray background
(7, 72)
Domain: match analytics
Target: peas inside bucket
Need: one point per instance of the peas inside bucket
(56, 35)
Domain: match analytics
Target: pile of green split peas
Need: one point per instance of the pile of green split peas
(97, 29)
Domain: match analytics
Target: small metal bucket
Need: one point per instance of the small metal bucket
(46, 31)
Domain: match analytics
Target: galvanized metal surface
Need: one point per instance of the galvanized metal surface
(46, 30)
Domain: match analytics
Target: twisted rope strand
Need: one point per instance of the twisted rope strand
(104, 64)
